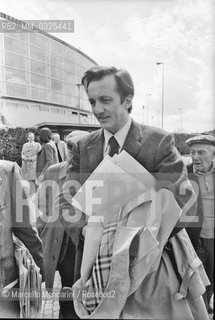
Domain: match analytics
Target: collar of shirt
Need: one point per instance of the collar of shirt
(205, 173)
(119, 135)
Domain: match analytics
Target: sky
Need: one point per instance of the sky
(135, 35)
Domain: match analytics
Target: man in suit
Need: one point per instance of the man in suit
(61, 251)
(201, 232)
(110, 92)
(61, 147)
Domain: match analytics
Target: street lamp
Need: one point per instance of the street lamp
(180, 109)
(143, 113)
(152, 120)
(79, 99)
(162, 112)
(147, 106)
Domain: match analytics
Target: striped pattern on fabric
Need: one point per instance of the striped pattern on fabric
(101, 268)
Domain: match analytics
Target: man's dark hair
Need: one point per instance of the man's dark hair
(125, 86)
(45, 135)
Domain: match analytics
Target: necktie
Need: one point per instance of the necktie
(114, 146)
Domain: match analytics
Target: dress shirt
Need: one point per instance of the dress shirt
(120, 137)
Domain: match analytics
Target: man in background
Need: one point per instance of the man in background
(202, 171)
(30, 150)
(61, 147)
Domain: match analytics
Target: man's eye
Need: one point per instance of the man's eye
(92, 102)
(106, 100)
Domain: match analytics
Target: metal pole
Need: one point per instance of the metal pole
(143, 115)
(79, 100)
(162, 98)
(162, 110)
(147, 106)
(180, 109)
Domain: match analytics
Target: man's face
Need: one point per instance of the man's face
(106, 104)
(31, 137)
(56, 138)
(202, 156)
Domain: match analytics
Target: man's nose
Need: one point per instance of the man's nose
(98, 108)
(195, 156)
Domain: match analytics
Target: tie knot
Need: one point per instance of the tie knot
(114, 146)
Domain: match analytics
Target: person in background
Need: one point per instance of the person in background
(61, 147)
(61, 251)
(14, 218)
(30, 150)
(47, 155)
(202, 172)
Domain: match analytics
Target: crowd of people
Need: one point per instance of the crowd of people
(152, 277)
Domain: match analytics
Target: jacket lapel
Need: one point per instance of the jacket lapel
(95, 150)
(132, 143)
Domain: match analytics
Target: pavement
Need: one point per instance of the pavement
(50, 307)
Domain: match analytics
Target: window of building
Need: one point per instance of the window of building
(71, 54)
(15, 75)
(39, 67)
(56, 85)
(39, 94)
(83, 118)
(38, 81)
(35, 107)
(58, 48)
(16, 90)
(14, 60)
(39, 40)
(16, 46)
(58, 73)
(23, 106)
(54, 110)
(44, 108)
(22, 36)
(62, 111)
(57, 97)
(11, 105)
(58, 61)
(38, 54)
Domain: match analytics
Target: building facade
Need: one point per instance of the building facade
(40, 78)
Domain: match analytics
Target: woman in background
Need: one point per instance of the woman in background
(47, 155)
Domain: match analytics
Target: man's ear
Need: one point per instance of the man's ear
(128, 101)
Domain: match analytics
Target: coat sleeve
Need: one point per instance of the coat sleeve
(23, 214)
(49, 153)
(171, 173)
(72, 220)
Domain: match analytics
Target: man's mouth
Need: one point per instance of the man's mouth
(102, 118)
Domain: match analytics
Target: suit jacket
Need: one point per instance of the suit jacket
(152, 147)
(62, 149)
(194, 228)
(15, 217)
(53, 235)
(46, 157)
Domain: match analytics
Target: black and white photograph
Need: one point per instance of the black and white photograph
(107, 159)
